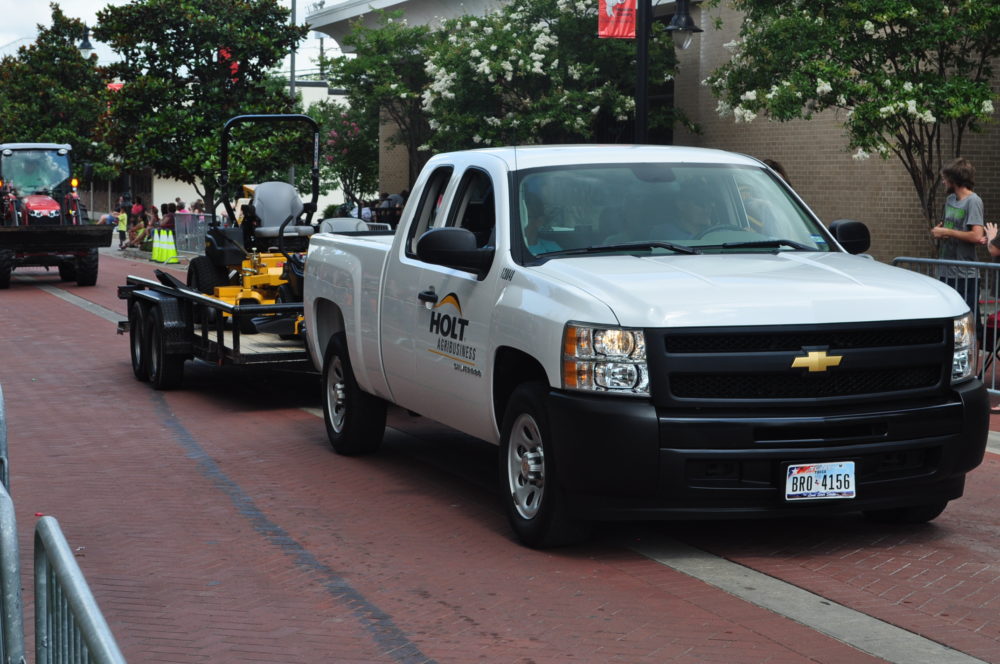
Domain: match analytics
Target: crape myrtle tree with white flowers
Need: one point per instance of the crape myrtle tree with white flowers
(907, 77)
(535, 71)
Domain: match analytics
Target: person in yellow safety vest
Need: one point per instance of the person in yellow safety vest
(122, 227)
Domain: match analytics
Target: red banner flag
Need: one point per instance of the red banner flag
(616, 19)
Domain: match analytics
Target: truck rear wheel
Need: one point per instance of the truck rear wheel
(6, 267)
(165, 371)
(355, 420)
(138, 342)
(536, 504)
(86, 268)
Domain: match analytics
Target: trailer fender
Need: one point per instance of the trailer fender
(177, 328)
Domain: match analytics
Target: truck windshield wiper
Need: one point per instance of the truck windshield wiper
(763, 244)
(623, 246)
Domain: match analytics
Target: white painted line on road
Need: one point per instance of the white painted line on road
(854, 628)
(87, 305)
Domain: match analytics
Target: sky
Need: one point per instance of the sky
(21, 18)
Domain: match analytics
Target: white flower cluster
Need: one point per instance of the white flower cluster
(744, 114)
(987, 107)
(860, 155)
(823, 87)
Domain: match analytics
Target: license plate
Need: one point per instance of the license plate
(812, 481)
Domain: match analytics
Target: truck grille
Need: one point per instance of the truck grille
(745, 365)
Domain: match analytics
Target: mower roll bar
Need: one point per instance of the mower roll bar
(275, 118)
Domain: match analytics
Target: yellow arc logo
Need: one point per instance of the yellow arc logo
(816, 360)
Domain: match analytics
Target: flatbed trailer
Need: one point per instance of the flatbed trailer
(170, 323)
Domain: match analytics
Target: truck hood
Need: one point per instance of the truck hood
(754, 289)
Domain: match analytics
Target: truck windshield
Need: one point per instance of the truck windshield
(34, 171)
(651, 207)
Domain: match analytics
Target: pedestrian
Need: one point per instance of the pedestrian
(776, 166)
(154, 217)
(167, 220)
(138, 209)
(960, 231)
(122, 227)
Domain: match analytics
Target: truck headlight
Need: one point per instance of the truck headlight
(605, 359)
(963, 363)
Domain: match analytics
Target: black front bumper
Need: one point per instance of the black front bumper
(626, 459)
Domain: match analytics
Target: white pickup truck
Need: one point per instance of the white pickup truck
(648, 333)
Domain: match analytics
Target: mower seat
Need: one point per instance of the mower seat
(273, 202)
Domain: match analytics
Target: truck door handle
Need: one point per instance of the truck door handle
(428, 296)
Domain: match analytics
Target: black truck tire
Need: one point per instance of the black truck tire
(6, 267)
(138, 344)
(165, 370)
(535, 503)
(67, 270)
(355, 420)
(86, 268)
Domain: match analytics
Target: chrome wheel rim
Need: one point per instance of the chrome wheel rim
(336, 405)
(526, 466)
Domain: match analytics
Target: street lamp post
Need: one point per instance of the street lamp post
(682, 28)
(85, 47)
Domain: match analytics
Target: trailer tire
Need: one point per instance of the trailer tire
(355, 420)
(138, 343)
(165, 371)
(67, 270)
(534, 500)
(6, 267)
(86, 268)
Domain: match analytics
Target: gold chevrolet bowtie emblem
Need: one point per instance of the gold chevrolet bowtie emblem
(816, 360)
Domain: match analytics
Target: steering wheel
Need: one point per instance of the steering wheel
(718, 228)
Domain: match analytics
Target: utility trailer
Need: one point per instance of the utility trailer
(170, 323)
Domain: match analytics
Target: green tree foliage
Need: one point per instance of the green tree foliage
(50, 94)
(350, 148)
(386, 75)
(188, 66)
(908, 77)
(535, 72)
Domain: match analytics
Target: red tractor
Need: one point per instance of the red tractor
(44, 222)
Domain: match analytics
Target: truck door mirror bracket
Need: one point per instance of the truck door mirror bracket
(455, 248)
(852, 235)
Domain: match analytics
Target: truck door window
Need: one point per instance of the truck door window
(429, 207)
(475, 208)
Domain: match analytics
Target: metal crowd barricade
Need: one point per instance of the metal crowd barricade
(984, 292)
(189, 231)
(69, 626)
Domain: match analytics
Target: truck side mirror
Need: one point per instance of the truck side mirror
(852, 235)
(455, 248)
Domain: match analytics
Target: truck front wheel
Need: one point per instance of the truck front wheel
(535, 503)
(355, 420)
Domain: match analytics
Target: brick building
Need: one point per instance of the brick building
(877, 192)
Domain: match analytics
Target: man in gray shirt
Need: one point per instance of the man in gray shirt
(960, 231)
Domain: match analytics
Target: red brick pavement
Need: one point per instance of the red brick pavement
(214, 524)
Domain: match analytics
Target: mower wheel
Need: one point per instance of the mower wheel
(6, 267)
(165, 371)
(138, 342)
(355, 420)
(67, 270)
(86, 268)
(204, 277)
